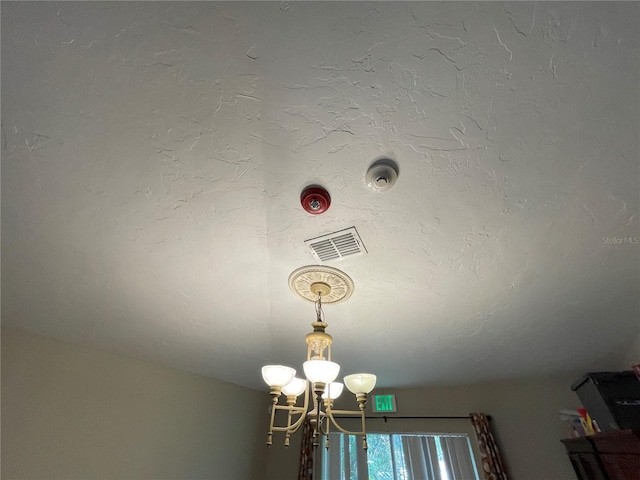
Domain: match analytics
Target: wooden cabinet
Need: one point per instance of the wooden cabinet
(606, 456)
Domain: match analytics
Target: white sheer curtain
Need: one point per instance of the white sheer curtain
(345, 460)
(400, 457)
(458, 460)
(420, 458)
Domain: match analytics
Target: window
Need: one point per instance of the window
(400, 456)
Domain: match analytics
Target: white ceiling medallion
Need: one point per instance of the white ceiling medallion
(308, 282)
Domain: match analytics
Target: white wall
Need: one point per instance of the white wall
(75, 412)
(525, 420)
(632, 355)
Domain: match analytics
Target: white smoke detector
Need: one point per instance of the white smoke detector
(382, 175)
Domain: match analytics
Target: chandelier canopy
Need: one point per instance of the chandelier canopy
(317, 284)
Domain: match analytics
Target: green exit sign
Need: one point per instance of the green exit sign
(384, 403)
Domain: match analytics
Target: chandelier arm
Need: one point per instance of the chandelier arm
(317, 406)
(273, 413)
(287, 436)
(292, 411)
(353, 413)
(365, 445)
(292, 428)
(326, 438)
(320, 419)
(296, 426)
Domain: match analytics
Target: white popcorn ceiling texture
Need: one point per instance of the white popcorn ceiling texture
(153, 156)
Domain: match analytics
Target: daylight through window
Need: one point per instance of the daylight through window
(400, 456)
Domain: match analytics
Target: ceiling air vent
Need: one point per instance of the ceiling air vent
(336, 245)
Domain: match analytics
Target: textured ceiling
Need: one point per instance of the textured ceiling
(153, 156)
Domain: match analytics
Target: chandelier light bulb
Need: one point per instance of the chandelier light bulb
(360, 382)
(295, 387)
(321, 371)
(277, 375)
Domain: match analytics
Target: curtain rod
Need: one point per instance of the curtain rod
(385, 418)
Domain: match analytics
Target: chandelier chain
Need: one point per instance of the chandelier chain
(319, 312)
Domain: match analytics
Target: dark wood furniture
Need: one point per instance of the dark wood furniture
(606, 456)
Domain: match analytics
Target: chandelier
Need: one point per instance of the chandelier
(319, 389)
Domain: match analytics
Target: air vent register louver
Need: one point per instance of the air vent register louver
(336, 245)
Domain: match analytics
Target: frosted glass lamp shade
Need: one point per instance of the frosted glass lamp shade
(295, 387)
(333, 390)
(360, 382)
(321, 371)
(277, 375)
